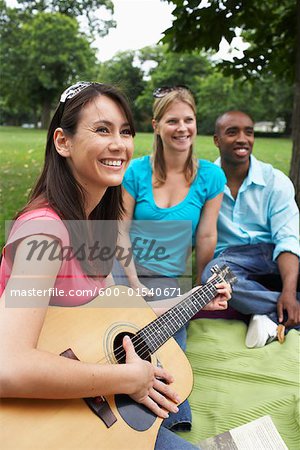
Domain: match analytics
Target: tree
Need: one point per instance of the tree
(43, 51)
(49, 53)
(122, 71)
(214, 91)
(77, 9)
(271, 27)
(262, 98)
(169, 69)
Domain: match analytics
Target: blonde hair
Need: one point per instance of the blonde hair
(158, 162)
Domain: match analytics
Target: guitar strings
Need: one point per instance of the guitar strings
(140, 346)
(120, 350)
(138, 339)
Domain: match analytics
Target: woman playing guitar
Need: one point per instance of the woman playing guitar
(89, 146)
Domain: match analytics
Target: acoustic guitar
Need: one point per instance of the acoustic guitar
(93, 333)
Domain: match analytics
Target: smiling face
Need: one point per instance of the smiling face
(235, 138)
(177, 127)
(100, 150)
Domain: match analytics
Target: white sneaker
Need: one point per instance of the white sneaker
(261, 331)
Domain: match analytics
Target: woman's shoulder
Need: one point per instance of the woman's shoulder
(209, 168)
(207, 165)
(43, 220)
(45, 212)
(138, 170)
(210, 180)
(137, 163)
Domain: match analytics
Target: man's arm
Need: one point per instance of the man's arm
(288, 265)
(284, 221)
(283, 214)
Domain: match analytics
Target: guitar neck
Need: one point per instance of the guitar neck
(156, 333)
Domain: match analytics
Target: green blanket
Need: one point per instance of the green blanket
(234, 385)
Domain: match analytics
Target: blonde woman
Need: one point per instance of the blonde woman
(172, 201)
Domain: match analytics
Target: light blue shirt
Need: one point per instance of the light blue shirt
(172, 230)
(264, 211)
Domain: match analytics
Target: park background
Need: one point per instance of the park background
(46, 45)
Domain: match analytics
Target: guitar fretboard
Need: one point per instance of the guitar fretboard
(156, 333)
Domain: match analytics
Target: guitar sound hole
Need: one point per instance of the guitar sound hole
(137, 416)
(140, 347)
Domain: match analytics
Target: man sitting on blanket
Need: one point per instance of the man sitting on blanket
(258, 233)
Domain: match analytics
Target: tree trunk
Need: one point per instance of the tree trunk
(46, 111)
(287, 117)
(295, 162)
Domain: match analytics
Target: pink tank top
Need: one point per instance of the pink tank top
(72, 286)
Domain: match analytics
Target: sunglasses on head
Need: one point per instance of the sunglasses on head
(164, 90)
(73, 90)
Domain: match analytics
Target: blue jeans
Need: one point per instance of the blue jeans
(182, 420)
(167, 440)
(249, 263)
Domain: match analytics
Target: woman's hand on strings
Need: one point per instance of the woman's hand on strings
(150, 384)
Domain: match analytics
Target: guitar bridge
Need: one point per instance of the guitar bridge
(99, 404)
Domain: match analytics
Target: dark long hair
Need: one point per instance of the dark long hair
(57, 187)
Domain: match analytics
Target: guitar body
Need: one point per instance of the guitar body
(91, 331)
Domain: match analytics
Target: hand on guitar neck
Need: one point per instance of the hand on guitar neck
(224, 291)
(218, 303)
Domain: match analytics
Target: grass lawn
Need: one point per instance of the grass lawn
(22, 153)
